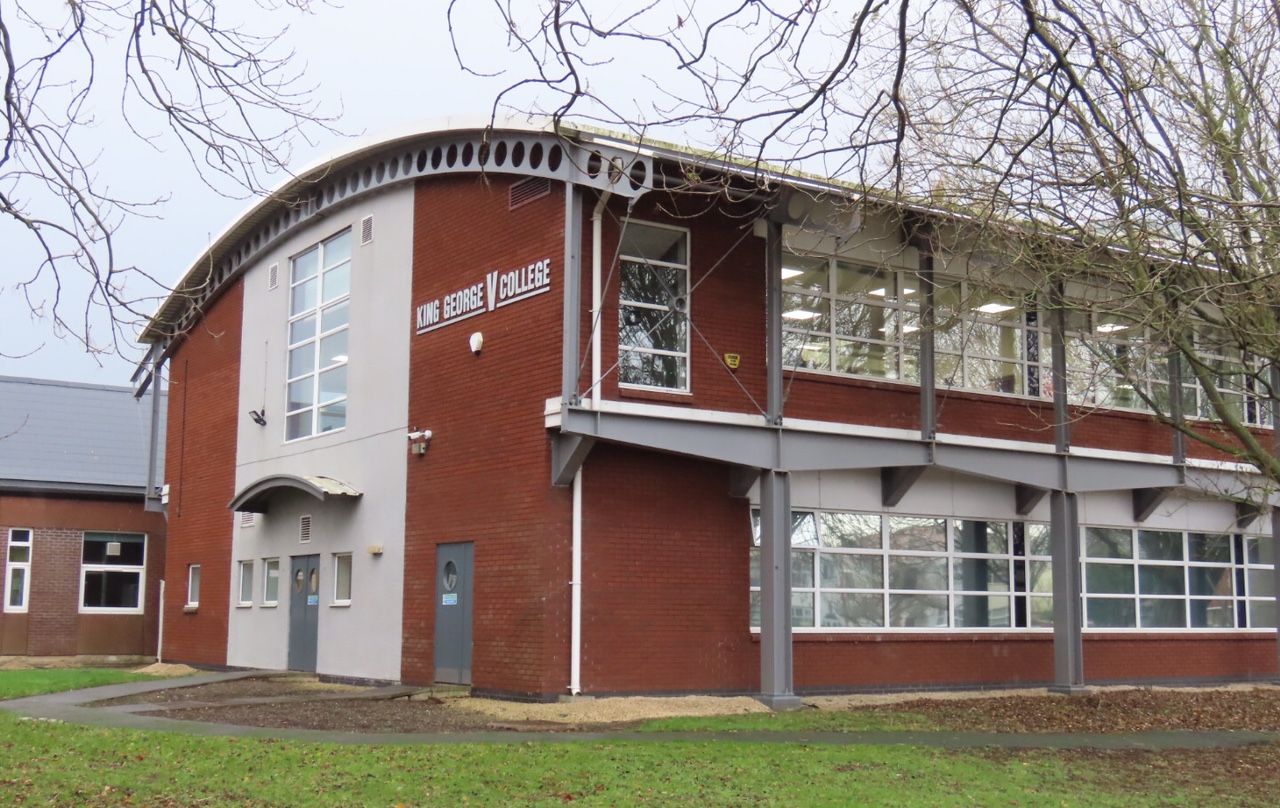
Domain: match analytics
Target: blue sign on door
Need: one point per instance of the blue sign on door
(449, 599)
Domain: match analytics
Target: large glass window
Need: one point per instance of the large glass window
(653, 310)
(865, 571)
(113, 572)
(850, 318)
(17, 581)
(319, 302)
(1156, 579)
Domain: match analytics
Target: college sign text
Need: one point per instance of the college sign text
(498, 289)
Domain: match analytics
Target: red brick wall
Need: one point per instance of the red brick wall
(53, 625)
(486, 477)
(200, 465)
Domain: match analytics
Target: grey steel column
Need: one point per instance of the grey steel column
(153, 501)
(1068, 649)
(776, 688)
(1064, 525)
(928, 319)
(773, 320)
(1175, 408)
(1273, 401)
(571, 351)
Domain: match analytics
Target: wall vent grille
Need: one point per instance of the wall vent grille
(273, 276)
(247, 519)
(526, 190)
(304, 528)
(366, 230)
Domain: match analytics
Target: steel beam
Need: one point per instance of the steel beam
(1058, 353)
(773, 320)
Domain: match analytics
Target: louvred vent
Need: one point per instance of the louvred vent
(247, 519)
(366, 230)
(273, 276)
(527, 190)
(304, 528)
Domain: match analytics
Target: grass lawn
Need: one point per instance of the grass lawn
(17, 684)
(44, 763)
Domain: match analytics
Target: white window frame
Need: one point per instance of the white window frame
(687, 354)
(243, 568)
(316, 369)
(193, 576)
(25, 566)
(337, 562)
(267, 564)
(140, 570)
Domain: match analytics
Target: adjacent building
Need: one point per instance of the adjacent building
(83, 555)
(551, 413)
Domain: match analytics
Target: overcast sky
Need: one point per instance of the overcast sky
(380, 64)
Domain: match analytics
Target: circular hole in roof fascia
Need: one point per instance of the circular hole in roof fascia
(380, 173)
(500, 153)
(554, 156)
(517, 154)
(422, 160)
(393, 167)
(329, 194)
(594, 161)
(436, 157)
(482, 154)
(451, 155)
(535, 156)
(637, 174)
(366, 178)
(468, 151)
(408, 163)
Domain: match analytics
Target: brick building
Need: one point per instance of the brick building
(556, 414)
(83, 554)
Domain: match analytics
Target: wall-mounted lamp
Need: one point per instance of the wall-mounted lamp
(477, 343)
(418, 441)
(259, 416)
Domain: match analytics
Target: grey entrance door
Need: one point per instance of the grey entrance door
(453, 612)
(304, 612)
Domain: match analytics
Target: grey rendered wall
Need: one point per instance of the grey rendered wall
(363, 639)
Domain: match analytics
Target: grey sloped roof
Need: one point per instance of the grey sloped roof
(57, 435)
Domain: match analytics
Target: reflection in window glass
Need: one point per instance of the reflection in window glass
(653, 312)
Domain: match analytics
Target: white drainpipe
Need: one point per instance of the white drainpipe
(575, 589)
(160, 627)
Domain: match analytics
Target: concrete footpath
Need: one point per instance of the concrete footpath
(71, 707)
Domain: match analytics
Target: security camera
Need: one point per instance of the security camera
(415, 436)
(424, 434)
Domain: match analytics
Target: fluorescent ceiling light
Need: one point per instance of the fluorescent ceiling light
(907, 290)
(815, 346)
(788, 273)
(910, 329)
(1111, 328)
(994, 308)
(799, 314)
(877, 292)
(340, 358)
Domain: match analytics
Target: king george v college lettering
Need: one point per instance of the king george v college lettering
(499, 288)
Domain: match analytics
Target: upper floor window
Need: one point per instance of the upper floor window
(319, 296)
(653, 307)
(850, 318)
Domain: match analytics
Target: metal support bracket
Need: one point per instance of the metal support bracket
(741, 479)
(1146, 500)
(1027, 497)
(568, 452)
(896, 481)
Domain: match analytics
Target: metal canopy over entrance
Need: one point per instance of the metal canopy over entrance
(255, 497)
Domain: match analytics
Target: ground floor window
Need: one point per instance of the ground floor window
(17, 583)
(864, 571)
(113, 572)
(193, 585)
(342, 579)
(245, 578)
(270, 581)
(1165, 579)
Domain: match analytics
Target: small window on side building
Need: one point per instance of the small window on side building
(342, 579)
(270, 581)
(193, 585)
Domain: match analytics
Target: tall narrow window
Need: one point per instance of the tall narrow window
(245, 579)
(270, 581)
(17, 584)
(653, 311)
(193, 585)
(113, 572)
(342, 579)
(319, 297)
